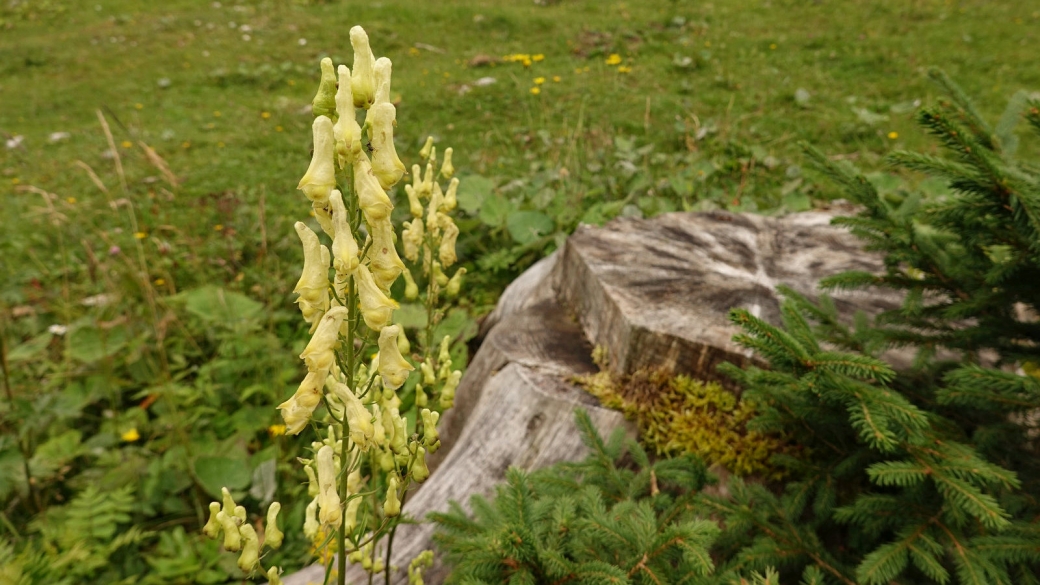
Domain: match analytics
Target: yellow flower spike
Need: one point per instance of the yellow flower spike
(420, 472)
(448, 392)
(430, 434)
(411, 290)
(421, 399)
(298, 409)
(319, 355)
(344, 246)
(414, 206)
(451, 290)
(393, 367)
(313, 286)
(312, 481)
(424, 152)
(359, 419)
(429, 377)
(250, 557)
(310, 523)
(274, 576)
(324, 102)
(372, 198)
(392, 505)
(362, 78)
(447, 169)
(376, 308)
(446, 253)
(272, 535)
(384, 262)
(346, 131)
(319, 180)
(451, 199)
(412, 238)
(330, 511)
(212, 527)
(229, 524)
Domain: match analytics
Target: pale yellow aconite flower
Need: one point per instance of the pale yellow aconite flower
(362, 78)
(324, 102)
(425, 151)
(310, 523)
(319, 180)
(272, 534)
(412, 238)
(448, 392)
(420, 472)
(446, 254)
(379, 434)
(250, 556)
(319, 355)
(330, 511)
(392, 505)
(411, 289)
(323, 213)
(447, 169)
(376, 308)
(430, 435)
(451, 199)
(392, 366)
(380, 121)
(399, 439)
(313, 286)
(351, 514)
(384, 262)
(229, 524)
(346, 131)
(359, 419)
(417, 183)
(274, 576)
(298, 409)
(344, 246)
(212, 527)
(372, 198)
(414, 206)
(454, 283)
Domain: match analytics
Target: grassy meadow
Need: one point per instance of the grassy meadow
(146, 270)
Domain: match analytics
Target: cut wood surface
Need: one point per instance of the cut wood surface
(653, 293)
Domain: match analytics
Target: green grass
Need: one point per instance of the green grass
(707, 117)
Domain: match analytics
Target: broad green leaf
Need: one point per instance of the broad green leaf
(527, 226)
(216, 305)
(90, 344)
(472, 192)
(30, 349)
(218, 472)
(494, 210)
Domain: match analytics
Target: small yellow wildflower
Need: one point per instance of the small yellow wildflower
(126, 144)
(413, 51)
(160, 281)
(539, 80)
(220, 145)
(613, 59)
(624, 69)
(218, 228)
(216, 114)
(536, 90)
(707, 43)
(139, 106)
(265, 115)
(15, 181)
(70, 199)
(538, 57)
(131, 436)
(893, 135)
(276, 430)
(278, 128)
(577, 70)
(185, 144)
(772, 46)
(140, 235)
(291, 82)
(556, 78)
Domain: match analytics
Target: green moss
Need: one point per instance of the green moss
(678, 414)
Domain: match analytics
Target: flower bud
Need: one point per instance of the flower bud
(417, 183)
(447, 169)
(311, 524)
(386, 165)
(403, 345)
(330, 511)
(414, 206)
(387, 462)
(430, 163)
(430, 434)
(240, 513)
(274, 576)
(272, 535)
(376, 308)
(392, 366)
(425, 151)
(312, 481)
(448, 392)
(313, 286)
(378, 431)
(372, 198)
(455, 283)
(384, 262)
(229, 502)
(359, 419)
(229, 524)
(324, 102)
(392, 505)
(438, 275)
(346, 132)
(362, 78)
(400, 441)
(351, 520)
(320, 179)
(344, 246)
(446, 253)
(212, 527)
(250, 556)
(412, 239)
(421, 399)
(298, 409)
(420, 472)
(429, 377)
(451, 196)
(319, 355)
(411, 292)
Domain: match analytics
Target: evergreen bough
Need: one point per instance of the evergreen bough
(929, 475)
(591, 523)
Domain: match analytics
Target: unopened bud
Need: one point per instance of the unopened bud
(250, 556)
(392, 365)
(447, 170)
(392, 506)
(430, 434)
(310, 523)
(420, 472)
(421, 399)
(272, 535)
(429, 376)
(362, 78)
(346, 131)
(212, 527)
(414, 206)
(229, 524)
(324, 102)
(425, 151)
(451, 196)
(319, 180)
(454, 283)
(274, 576)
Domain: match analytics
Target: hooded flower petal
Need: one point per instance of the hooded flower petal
(384, 262)
(324, 102)
(298, 409)
(372, 198)
(392, 365)
(319, 355)
(346, 132)
(319, 180)
(330, 510)
(376, 308)
(362, 79)
(344, 246)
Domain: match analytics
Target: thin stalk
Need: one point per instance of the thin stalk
(22, 448)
